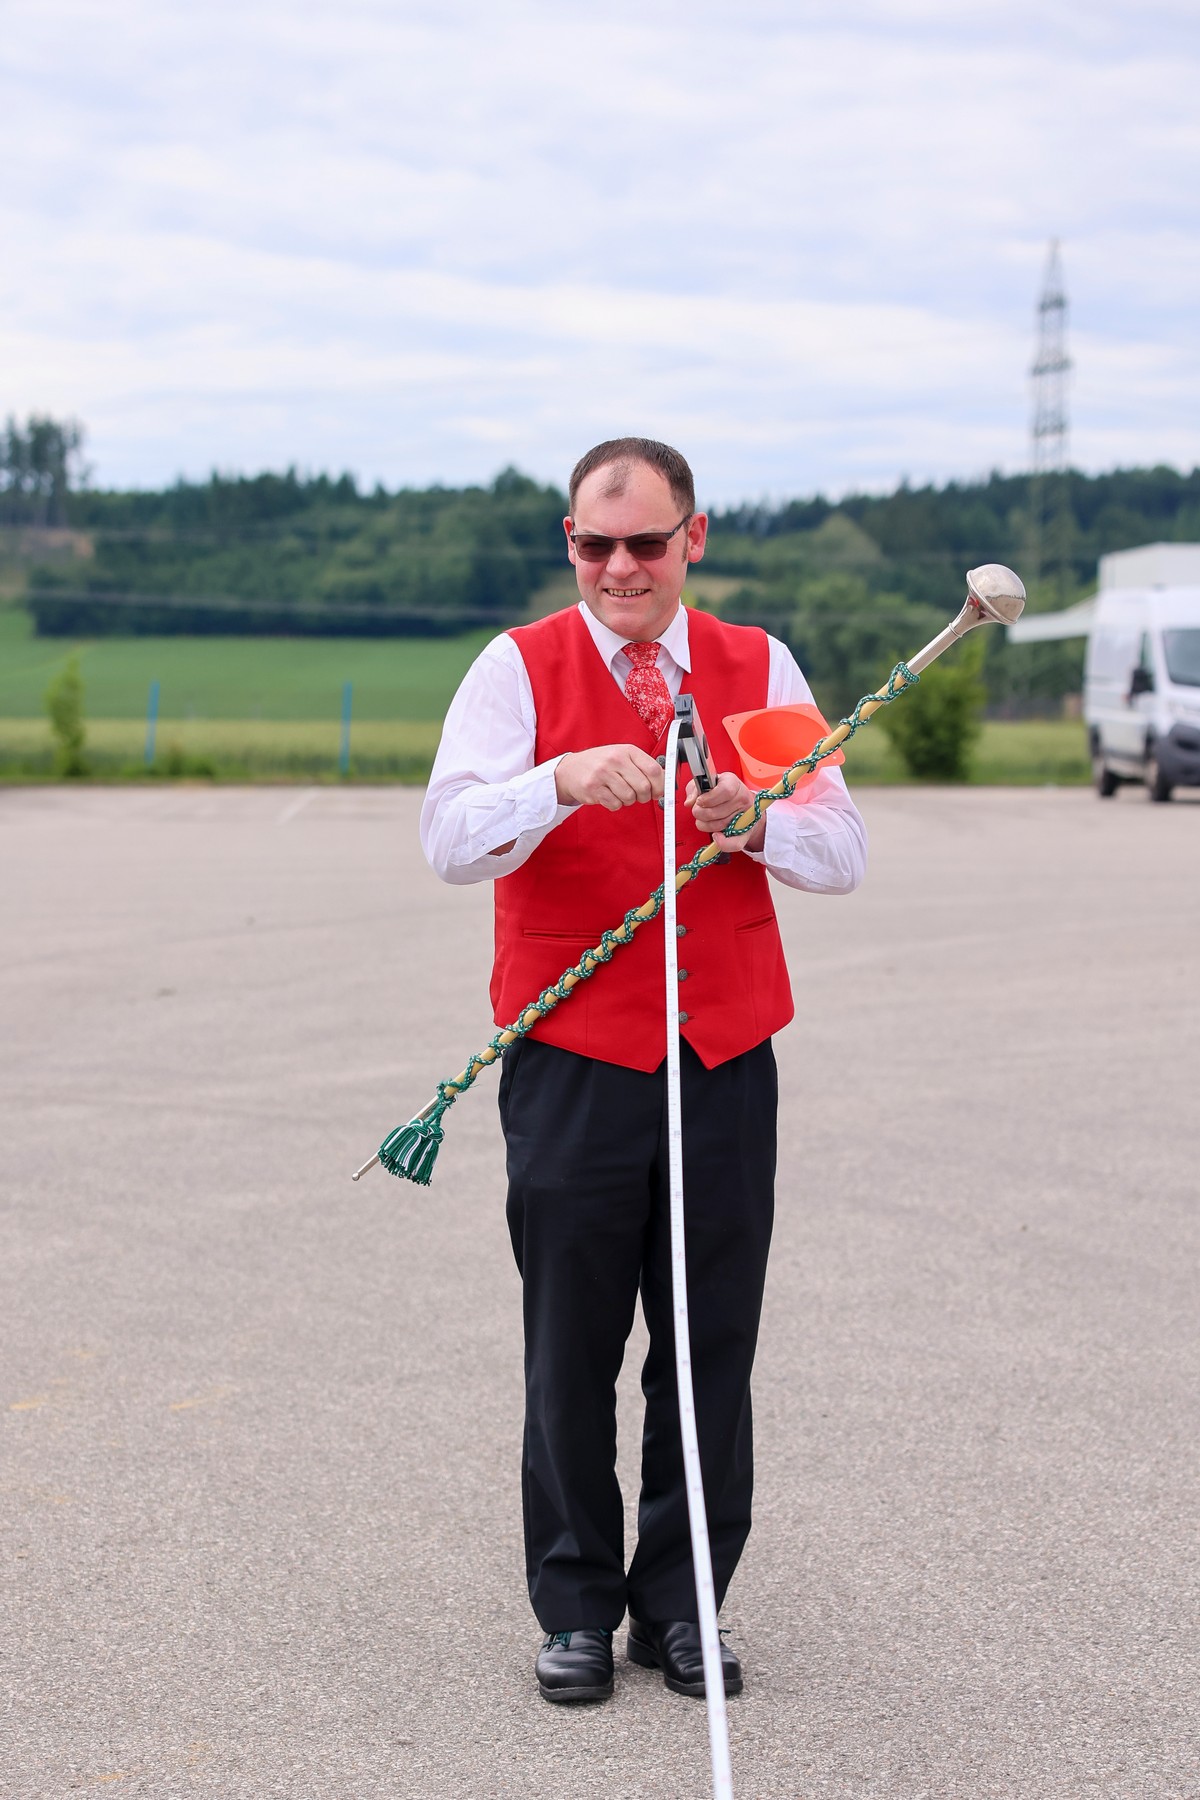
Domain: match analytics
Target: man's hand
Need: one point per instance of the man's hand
(611, 775)
(720, 807)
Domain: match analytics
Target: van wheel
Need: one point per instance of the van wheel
(1157, 785)
(1106, 782)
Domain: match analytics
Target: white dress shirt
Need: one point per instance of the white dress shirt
(486, 789)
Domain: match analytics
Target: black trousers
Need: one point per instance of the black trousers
(589, 1217)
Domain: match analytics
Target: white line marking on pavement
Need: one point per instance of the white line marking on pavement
(295, 806)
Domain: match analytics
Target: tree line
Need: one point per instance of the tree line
(855, 583)
(850, 584)
(40, 463)
(272, 554)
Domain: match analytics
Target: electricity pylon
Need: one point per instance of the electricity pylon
(1049, 498)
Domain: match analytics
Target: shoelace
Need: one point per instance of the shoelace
(564, 1638)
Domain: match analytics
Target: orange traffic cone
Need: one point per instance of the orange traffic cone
(771, 739)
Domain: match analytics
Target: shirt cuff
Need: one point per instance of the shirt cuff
(802, 848)
(781, 832)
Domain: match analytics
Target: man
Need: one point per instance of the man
(545, 783)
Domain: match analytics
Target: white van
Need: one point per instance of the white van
(1141, 696)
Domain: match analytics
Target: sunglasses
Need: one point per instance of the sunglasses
(645, 546)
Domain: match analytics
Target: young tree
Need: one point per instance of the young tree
(936, 725)
(64, 704)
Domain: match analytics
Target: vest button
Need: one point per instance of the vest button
(682, 974)
(683, 1018)
(681, 931)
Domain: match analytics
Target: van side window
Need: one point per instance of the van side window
(1142, 681)
(1112, 655)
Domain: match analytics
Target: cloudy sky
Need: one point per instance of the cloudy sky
(422, 241)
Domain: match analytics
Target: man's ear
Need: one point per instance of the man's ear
(697, 536)
(568, 527)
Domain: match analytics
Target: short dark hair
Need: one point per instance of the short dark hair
(621, 453)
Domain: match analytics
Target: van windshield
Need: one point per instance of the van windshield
(1183, 656)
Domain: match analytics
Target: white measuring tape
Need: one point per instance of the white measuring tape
(710, 1640)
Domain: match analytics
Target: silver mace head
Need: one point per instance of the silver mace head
(995, 596)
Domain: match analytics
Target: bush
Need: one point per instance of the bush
(936, 725)
(64, 704)
(178, 765)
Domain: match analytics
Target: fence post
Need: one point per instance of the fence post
(151, 722)
(344, 756)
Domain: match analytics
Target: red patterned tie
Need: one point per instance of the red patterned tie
(645, 689)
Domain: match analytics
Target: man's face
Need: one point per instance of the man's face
(636, 599)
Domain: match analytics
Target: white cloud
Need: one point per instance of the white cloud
(806, 241)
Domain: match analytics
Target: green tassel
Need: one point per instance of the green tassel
(411, 1150)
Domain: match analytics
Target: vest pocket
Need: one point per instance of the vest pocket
(757, 962)
(563, 937)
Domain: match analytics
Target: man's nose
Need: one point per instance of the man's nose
(621, 562)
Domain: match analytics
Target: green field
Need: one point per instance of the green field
(269, 709)
(238, 678)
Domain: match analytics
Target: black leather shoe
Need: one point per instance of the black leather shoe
(675, 1649)
(576, 1665)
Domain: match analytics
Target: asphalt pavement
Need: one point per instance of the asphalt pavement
(259, 1509)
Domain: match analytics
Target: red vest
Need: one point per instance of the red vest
(587, 874)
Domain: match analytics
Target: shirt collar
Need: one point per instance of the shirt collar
(674, 639)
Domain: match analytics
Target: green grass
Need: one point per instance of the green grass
(229, 749)
(257, 709)
(1021, 754)
(238, 678)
